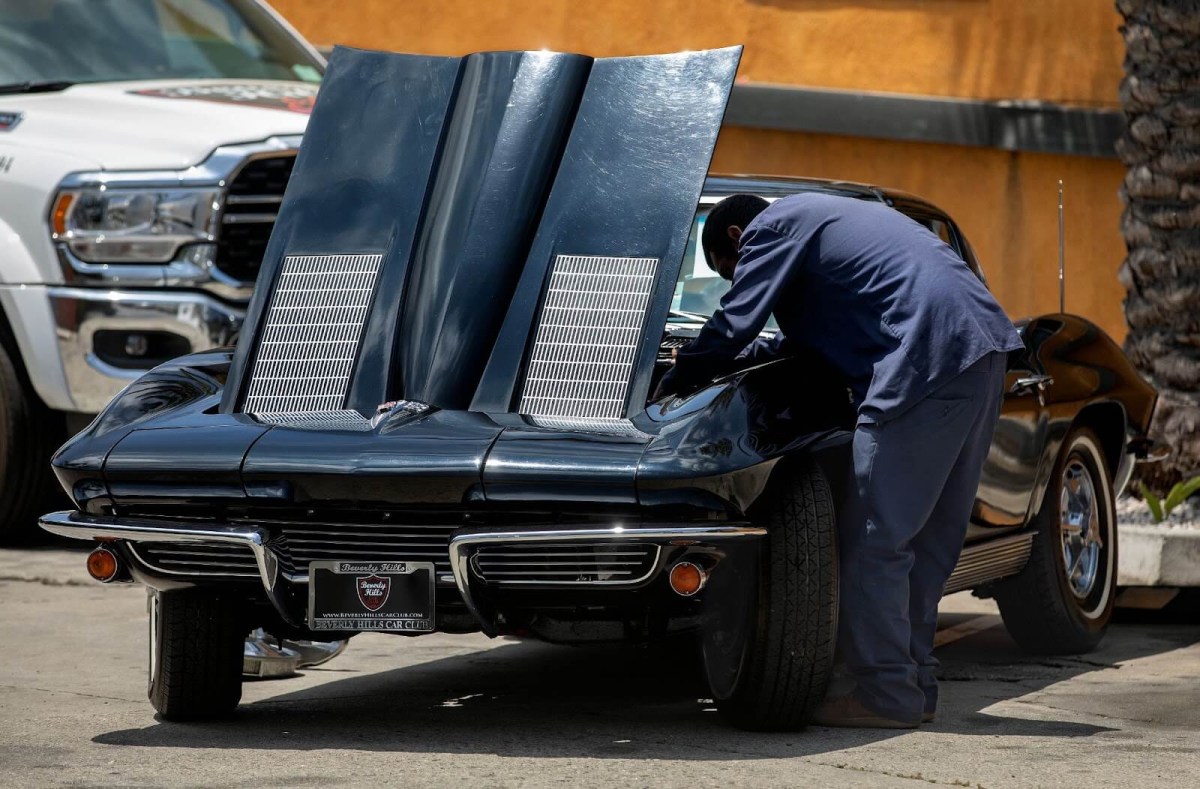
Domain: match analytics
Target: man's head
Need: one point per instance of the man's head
(723, 228)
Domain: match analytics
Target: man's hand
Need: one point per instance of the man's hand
(666, 385)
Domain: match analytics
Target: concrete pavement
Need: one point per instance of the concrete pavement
(454, 710)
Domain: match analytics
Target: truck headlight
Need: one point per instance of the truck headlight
(133, 225)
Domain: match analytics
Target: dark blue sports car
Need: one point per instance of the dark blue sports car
(438, 417)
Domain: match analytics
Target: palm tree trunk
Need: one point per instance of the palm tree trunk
(1161, 223)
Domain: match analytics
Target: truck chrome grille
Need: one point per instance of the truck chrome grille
(248, 217)
(310, 337)
(559, 564)
(197, 558)
(587, 337)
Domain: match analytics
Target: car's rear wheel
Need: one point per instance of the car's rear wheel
(769, 658)
(196, 643)
(1061, 602)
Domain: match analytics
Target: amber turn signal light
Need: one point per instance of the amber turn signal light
(58, 219)
(687, 578)
(103, 565)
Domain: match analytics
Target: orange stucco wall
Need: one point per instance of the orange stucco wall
(1066, 51)
(1006, 203)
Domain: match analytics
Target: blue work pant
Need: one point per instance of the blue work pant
(901, 532)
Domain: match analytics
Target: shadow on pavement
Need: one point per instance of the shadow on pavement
(533, 699)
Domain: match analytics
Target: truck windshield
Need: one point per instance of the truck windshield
(70, 41)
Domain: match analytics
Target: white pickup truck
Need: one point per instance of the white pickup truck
(144, 150)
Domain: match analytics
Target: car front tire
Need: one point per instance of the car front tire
(774, 675)
(1062, 601)
(196, 642)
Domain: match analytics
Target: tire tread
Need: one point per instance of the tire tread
(29, 433)
(199, 672)
(790, 665)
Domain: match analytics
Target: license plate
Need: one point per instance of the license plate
(395, 597)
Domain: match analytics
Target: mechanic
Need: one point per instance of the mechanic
(923, 346)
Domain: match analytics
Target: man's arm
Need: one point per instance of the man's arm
(764, 349)
(764, 268)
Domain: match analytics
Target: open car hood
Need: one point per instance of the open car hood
(499, 233)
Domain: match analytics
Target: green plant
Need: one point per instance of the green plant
(1161, 507)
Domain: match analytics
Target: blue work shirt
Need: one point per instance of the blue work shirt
(879, 296)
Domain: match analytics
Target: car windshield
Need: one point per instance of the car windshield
(69, 41)
(698, 290)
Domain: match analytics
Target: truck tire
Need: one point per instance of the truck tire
(1061, 602)
(29, 433)
(196, 643)
(788, 651)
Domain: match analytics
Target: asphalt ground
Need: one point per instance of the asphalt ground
(464, 710)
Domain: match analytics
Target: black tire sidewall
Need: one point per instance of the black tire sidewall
(195, 670)
(28, 433)
(1084, 445)
(759, 699)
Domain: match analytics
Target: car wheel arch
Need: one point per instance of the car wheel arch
(1106, 418)
(8, 339)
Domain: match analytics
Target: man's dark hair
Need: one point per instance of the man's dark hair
(733, 211)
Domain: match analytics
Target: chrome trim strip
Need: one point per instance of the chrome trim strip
(989, 561)
(489, 578)
(215, 170)
(80, 312)
(243, 199)
(223, 570)
(193, 267)
(462, 542)
(81, 526)
(258, 218)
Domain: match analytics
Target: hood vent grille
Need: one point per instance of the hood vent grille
(310, 338)
(587, 337)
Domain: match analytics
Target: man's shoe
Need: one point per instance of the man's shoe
(849, 713)
(927, 717)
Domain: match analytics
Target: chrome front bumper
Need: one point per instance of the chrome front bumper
(79, 525)
(79, 313)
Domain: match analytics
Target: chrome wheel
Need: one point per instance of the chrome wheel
(1079, 523)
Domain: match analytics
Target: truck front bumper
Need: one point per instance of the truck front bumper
(100, 331)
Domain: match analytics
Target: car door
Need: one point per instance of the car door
(1009, 478)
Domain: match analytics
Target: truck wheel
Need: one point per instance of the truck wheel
(29, 433)
(1061, 602)
(195, 655)
(773, 676)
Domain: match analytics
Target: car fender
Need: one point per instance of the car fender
(717, 448)
(1094, 385)
(195, 380)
